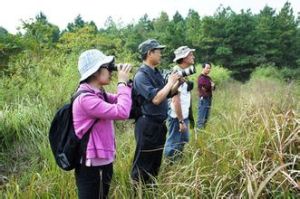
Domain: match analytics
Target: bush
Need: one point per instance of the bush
(290, 74)
(270, 72)
(267, 72)
(218, 74)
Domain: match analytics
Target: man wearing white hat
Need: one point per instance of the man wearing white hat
(180, 106)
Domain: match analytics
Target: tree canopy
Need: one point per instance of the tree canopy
(238, 41)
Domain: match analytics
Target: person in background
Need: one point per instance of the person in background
(205, 88)
(97, 109)
(180, 107)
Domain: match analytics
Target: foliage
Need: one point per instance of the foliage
(271, 72)
(251, 144)
(249, 149)
(237, 41)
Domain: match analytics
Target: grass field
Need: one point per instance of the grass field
(249, 149)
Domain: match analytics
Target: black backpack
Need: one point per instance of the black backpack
(67, 148)
(136, 107)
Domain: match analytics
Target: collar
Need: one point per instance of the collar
(148, 68)
(86, 86)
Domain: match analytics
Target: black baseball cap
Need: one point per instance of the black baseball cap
(149, 44)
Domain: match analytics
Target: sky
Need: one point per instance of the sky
(61, 12)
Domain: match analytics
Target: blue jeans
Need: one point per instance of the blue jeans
(176, 140)
(204, 105)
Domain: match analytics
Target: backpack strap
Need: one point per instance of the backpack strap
(84, 140)
(170, 95)
(142, 70)
(83, 144)
(75, 95)
(149, 76)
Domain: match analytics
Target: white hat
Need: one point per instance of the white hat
(90, 61)
(182, 52)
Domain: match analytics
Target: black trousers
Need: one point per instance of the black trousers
(93, 182)
(150, 137)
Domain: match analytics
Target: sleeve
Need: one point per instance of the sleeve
(144, 87)
(112, 98)
(180, 88)
(98, 108)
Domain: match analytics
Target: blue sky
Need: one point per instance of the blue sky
(60, 12)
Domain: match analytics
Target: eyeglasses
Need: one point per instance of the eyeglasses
(106, 66)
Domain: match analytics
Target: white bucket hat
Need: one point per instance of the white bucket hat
(90, 61)
(182, 52)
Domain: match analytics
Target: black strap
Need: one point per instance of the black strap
(86, 91)
(149, 76)
(141, 69)
(74, 96)
(170, 94)
(86, 136)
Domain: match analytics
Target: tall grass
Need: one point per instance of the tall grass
(249, 149)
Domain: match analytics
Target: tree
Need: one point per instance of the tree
(193, 29)
(178, 30)
(77, 24)
(286, 32)
(39, 33)
(162, 32)
(213, 43)
(241, 39)
(9, 45)
(110, 26)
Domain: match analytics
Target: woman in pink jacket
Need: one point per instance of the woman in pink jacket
(96, 110)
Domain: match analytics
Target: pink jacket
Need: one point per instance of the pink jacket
(89, 107)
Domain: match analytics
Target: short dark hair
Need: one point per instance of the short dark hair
(204, 64)
(144, 56)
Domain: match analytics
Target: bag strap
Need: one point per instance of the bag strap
(170, 95)
(149, 76)
(74, 96)
(84, 140)
(141, 69)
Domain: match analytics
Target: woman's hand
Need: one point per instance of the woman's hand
(123, 72)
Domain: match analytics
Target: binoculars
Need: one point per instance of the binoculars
(112, 66)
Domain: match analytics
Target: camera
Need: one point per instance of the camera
(182, 72)
(187, 71)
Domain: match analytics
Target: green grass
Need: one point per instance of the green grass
(250, 148)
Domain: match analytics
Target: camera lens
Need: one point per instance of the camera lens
(187, 71)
